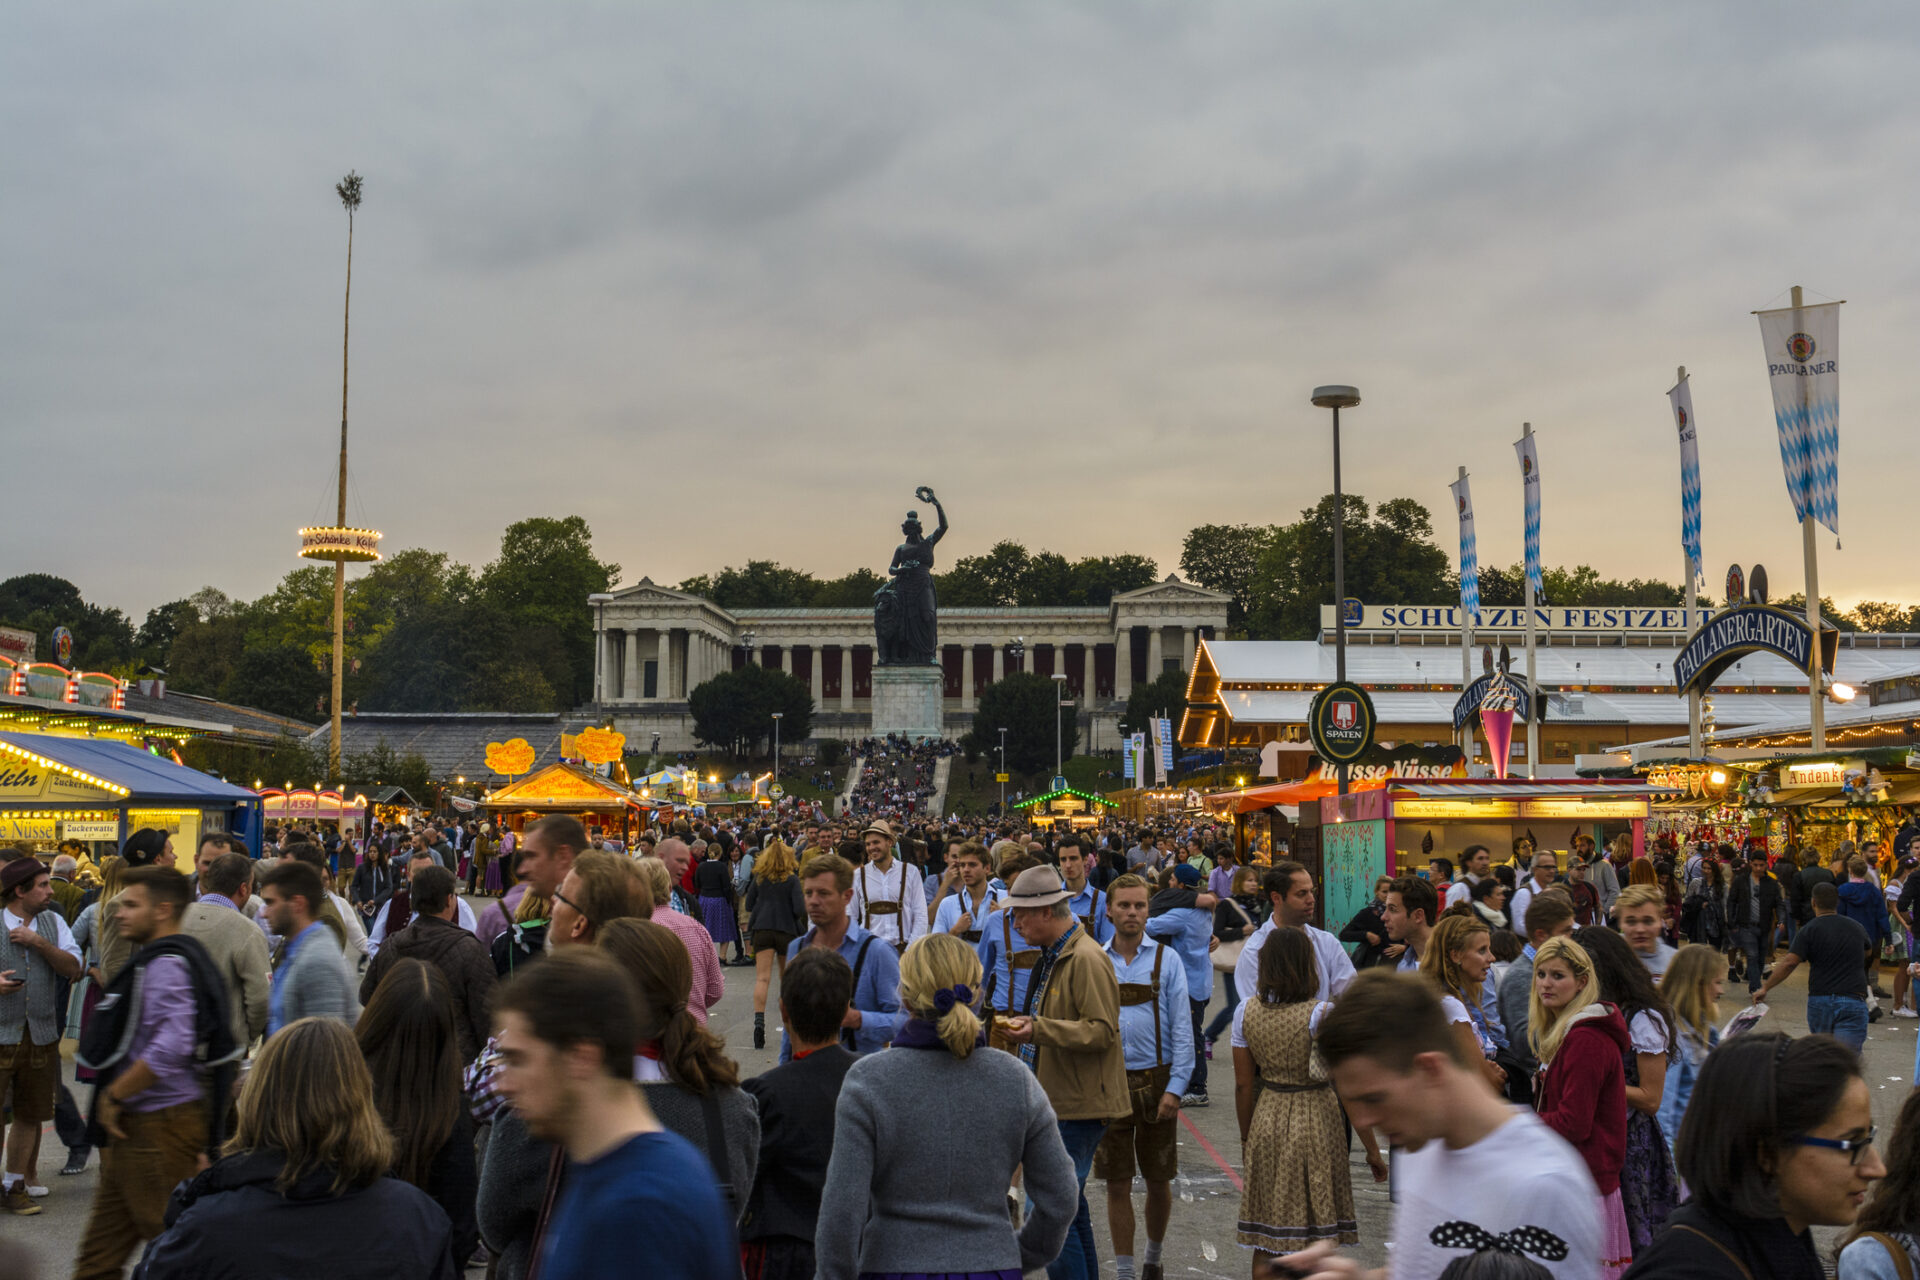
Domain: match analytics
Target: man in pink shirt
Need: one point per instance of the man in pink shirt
(708, 984)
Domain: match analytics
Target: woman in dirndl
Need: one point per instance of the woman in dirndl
(1298, 1187)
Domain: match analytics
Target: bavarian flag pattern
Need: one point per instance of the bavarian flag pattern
(1529, 454)
(1681, 398)
(1803, 366)
(1469, 550)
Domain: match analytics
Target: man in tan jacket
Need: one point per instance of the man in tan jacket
(219, 923)
(1070, 1037)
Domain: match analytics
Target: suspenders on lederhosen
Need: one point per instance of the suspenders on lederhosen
(973, 935)
(1132, 993)
(1086, 922)
(869, 908)
(1015, 960)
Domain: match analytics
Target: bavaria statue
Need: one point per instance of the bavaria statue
(905, 610)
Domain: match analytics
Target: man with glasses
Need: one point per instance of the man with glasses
(1546, 869)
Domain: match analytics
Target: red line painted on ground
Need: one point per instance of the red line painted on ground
(1208, 1148)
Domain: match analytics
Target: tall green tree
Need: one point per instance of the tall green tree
(1164, 696)
(1226, 557)
(734, 710)
(40, 602)
(281, 678)
(1023, 705)
(1390, 556)
(536, 593)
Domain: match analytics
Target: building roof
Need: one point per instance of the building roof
(220, 717)
(453, 743)
(146, 776)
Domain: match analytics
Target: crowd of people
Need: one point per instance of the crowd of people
(897, 779)
(330, 1064)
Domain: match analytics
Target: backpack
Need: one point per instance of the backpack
(108, 1037)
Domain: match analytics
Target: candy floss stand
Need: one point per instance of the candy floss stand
(1368, 834)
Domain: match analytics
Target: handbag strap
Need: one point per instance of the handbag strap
(1739, 1265)
(1902, 1261)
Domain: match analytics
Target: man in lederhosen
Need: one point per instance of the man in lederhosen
(1157, 1035)
(964, 907)
(1089, 904)
(889, 899)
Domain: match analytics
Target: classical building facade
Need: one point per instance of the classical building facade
(655, 645)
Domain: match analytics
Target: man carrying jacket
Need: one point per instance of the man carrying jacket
(1071, 1041)
(1753, 910)
(435, 938)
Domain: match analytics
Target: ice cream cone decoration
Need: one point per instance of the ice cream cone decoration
(1496, 719)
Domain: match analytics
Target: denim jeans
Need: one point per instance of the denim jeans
(1078, 1259)
(1223, 1019)
(1747, 939)
(1198, 1082)
(1842, 1017)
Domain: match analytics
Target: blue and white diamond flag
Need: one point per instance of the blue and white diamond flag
(1529, 456)
(1469, 550)
(1803, 365)
(1681, 398)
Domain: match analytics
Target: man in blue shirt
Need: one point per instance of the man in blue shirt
(1188, 929)
(567, 1027)
(1156, 1034)
(827, 888)
(1089, 904)
(1006, 959)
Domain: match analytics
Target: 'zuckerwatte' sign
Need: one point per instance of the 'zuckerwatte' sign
(1431, 617)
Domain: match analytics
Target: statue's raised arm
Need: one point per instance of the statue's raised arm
(925, 494)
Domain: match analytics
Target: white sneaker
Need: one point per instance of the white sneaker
(1905, 1013)
(36, 1192)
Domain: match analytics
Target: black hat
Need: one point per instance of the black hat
(144, 846)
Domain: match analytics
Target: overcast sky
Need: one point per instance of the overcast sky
(730, 280)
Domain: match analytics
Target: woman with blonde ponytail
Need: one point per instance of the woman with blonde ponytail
(683, 1068)
(906, 1197)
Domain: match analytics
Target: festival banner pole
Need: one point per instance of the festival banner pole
(1681, 399)
(1803, 367)
(1530, 487)
(1469, 591)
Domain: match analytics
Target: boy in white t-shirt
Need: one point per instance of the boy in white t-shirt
(1472, 1170)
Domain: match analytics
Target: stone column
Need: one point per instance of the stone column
(662, 664)
(1123, 663)
(1086, 675)
(817, 677)
(1156, 656)
(786, 658)
(846, 676)
(630, 686)
(999, 663)
(966, 676)
(1189, 642)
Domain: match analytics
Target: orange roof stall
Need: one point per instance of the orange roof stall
(600, 803)
(1368, 834)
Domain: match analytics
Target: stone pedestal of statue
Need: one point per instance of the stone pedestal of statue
(909, 700)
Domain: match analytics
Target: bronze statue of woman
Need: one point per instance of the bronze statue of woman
(906, 610)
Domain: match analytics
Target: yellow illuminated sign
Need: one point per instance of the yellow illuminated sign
(1488, 810)
(25, 829)
(510, 757)
(1583, 809)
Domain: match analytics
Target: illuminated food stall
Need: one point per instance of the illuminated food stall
(1066, 808)
(600, 803)
(349, 813)
(1384, 831)
(97, 792)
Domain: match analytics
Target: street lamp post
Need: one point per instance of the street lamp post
(1337, 398)
(1059, 687)
(1018, 651)
(776, 744)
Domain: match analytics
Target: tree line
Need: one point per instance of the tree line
(426, 633)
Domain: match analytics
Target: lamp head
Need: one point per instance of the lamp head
(1336, 397)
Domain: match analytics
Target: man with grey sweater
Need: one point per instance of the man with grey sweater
(217, 920)
(1549, 915)
(308, 980)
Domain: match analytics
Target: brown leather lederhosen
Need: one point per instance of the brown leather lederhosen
(973, 935)
(1148, 1082)
(1015, 960)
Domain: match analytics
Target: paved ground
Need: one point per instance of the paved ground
(1201, 1242)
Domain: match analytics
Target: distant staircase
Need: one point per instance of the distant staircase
(843, 803)
(937, 802)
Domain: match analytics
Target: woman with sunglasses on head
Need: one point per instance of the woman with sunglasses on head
(1778, 1139)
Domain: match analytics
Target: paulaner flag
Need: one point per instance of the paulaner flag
(1469, 549)
(1682, 399)
(1530, 482)
(1803, 364)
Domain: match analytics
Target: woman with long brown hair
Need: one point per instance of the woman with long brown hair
(407, 1035)
(690, 1082)
(303, 1188)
